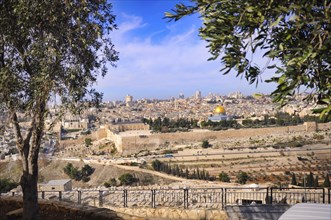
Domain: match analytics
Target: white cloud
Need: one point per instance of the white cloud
(132, 22)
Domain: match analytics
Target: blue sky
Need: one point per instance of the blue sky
(160, 59)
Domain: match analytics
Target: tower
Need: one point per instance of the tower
(128, 99)
(197, 94)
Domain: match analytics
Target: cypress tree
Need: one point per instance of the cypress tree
(204, 174)
(162, 167)
(198, 174)
(194, 175)
(187, 173)
(304, 181)
(310, 180)
(177, 172)
(169, 168)
(181, 172)
(172, 170)
(294, 180)
(326, 181)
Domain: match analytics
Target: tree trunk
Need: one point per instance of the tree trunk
(29, 182)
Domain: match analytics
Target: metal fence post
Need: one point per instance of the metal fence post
(153, 198)
(79, 197)
(43, 194)
(185, 198)
(100, 198)
(125, 198)
(224, 204)
(323, 195)
(270, 195)
(267, 197)
(329, 195)
(222, 198)
(60, 196)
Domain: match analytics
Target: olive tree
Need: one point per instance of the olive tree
(294, 37)
(49, 49)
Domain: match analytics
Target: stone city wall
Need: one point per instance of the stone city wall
(100, 133)
(133, 144)
(117, 139)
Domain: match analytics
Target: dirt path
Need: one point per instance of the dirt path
(130, 168)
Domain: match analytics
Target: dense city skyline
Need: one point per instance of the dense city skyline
(160, 59)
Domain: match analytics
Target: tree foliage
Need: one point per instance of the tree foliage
(166, 125)
(205, 144)
(294, 180)
(111, 182)
(294, 37)
(88, 142)
(178, 171)
(310, 180)
(127, 179)
(7, 185)
(242, 177)
(326, 182)
(76, 174)
(224, 177)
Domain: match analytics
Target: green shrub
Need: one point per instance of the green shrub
(127, 179)
(76, 174)
(7, 185)
(88, 142)
(242, 177)
(224, 177)
(205, 144)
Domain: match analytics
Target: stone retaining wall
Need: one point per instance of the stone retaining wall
(54, 210)
(173, 213)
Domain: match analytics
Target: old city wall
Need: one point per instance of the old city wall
(100, 133)
(117, 139)
(133, 144)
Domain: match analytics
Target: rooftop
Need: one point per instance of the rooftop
(58, 182)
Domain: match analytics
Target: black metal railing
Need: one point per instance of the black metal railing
(214, 198)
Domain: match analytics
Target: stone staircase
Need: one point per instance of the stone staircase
(255, 212)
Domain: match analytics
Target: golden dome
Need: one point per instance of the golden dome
(219, 110)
